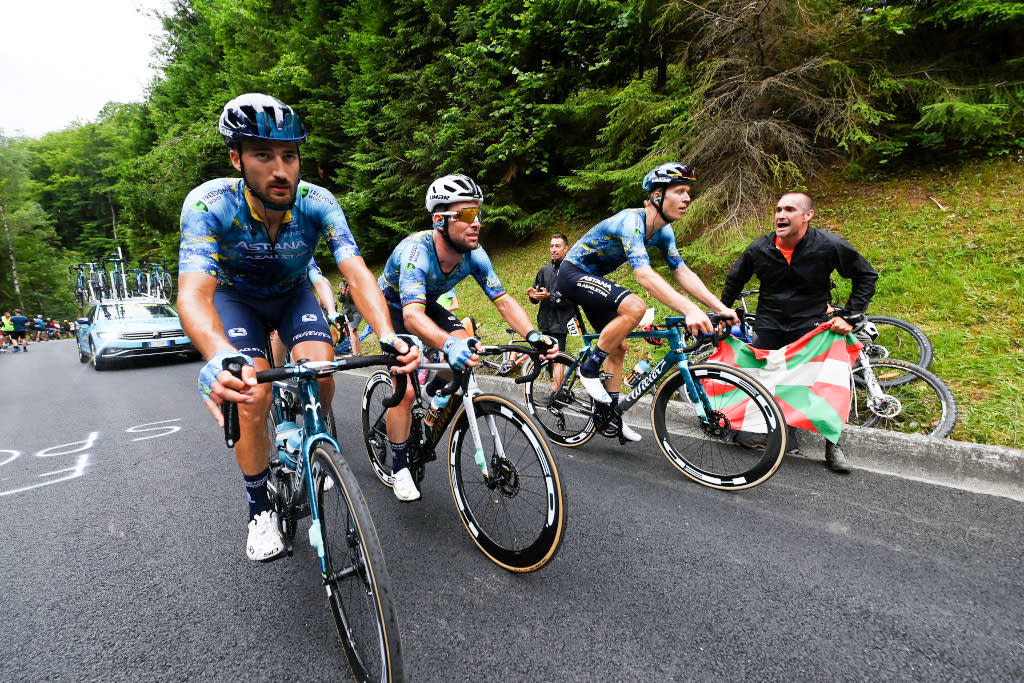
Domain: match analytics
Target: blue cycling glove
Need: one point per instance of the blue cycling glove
(541, 342)
(457, 352)
(217, 365)
(410, 339)
(335, 317)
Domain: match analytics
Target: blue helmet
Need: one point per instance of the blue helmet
(672, 173)
(255, 116)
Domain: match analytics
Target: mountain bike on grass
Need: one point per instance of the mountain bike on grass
(695, 413)
(502, 476)
(309, 478)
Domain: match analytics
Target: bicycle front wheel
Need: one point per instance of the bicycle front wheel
(355, 575)
(516, 514)
(921, 405)
(703, 445)
(566, 416)
(375, 435)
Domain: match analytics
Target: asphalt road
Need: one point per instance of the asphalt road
(122, 557)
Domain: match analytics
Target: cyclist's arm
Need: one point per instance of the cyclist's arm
(663, 291)
(325, 295)
(514, 315)
(203, 326)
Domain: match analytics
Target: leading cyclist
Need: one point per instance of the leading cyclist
(612, 309)
(242, 262)
(424, 266)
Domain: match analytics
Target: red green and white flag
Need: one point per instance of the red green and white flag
(810, 379)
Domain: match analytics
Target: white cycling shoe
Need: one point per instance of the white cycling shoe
(595, 387)
(265, 540)
(628, 434)
(404, 487)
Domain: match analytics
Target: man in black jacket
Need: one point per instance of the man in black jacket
(555, 311)
(794, 265)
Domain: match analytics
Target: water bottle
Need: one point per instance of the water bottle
(436, 405)
(641, 368)
(288, 437)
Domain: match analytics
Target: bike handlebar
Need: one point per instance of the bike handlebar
(309, 369)
(460, 376)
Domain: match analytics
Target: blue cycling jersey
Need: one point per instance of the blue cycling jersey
(222, 236)
(413, 275)
(612, 242)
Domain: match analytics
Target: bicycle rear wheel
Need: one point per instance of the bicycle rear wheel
(705, 448)
(378, 387)
(354, 573)
(516, 516)
(567, 417)
(921, 405)
(899, 340)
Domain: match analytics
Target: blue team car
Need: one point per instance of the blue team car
(117, 329)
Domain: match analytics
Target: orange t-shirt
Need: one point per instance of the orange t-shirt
(788, 253)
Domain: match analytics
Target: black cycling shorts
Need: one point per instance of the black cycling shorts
(598, 297)
(248, 320)
(440, 315)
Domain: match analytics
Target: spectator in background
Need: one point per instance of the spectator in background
(555, 312)
(6, 326)
(19, 330)
(794, 264)
(352, 317)
(449, 300)
(39, 325)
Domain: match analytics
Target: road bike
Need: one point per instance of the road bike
(161, 284)
(509, 362)
(695, 412)
(502, 476)
(309, 478)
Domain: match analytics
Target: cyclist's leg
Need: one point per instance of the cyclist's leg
(353, 336)
(246, 328)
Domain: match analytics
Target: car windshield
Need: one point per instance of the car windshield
(135, 312)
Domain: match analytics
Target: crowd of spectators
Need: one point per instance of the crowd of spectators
(17, 330)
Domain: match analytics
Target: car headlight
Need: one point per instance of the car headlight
(108, 335)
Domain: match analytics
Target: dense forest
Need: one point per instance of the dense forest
(557, 107)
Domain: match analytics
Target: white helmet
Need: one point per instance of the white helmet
(452, 189)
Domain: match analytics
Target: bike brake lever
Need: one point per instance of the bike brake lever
(401, 381)
(232, 428)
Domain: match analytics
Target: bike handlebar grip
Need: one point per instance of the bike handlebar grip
(534, 373)
(273, 374)
(453, 386)
(401, 382)
(232, 427)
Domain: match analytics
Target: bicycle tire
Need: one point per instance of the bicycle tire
(924, 407)
(356, 578)
(167, 285)
(567, 420)
(715, 459)
(900, 340)
(378, 387)
(484, 502)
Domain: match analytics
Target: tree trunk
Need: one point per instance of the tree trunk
(14, 264)
(113, 217)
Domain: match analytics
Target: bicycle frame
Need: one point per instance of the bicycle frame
(676, 355)
(314, 430)
(470, 389)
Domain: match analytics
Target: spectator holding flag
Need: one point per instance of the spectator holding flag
(794, 264)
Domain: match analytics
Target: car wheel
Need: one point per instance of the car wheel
(97, 361)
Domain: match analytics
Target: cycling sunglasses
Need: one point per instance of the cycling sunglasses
(466, 215)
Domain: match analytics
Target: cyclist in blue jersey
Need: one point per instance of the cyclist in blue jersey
(424, 266)
(612, 309)
(243, 261)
